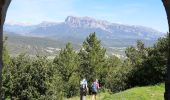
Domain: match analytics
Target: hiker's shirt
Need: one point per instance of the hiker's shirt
(84, 83)
(97, 84)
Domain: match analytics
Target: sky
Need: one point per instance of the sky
(149, 13)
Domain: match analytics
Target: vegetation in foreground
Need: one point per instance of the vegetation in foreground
(155, 92)
(32, 78)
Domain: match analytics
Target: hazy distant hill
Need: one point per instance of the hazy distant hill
(37, 45)
(32, 45)
(115, 37)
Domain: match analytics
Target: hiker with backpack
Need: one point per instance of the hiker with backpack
(83, 89)
(94, 88)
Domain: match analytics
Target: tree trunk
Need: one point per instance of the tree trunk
(3, 8)
(166, 4)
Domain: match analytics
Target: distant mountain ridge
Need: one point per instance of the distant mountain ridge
(114, 37)
(87, 25)
(76, 29)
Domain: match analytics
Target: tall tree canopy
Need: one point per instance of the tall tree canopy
(92, 58)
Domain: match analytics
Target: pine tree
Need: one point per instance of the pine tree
(66, 64)
(92, 59)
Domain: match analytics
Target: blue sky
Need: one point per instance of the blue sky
(148, 13)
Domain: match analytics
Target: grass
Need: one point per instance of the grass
(155, 92)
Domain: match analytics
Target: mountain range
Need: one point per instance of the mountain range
(76, 29)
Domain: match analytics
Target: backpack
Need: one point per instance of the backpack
(83, 86)
(94, 87)
(83, 89)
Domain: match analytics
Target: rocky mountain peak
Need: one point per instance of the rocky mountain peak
(86, 22)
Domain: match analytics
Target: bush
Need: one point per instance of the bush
(27, 78)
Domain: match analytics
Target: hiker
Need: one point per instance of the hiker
(94, 88)
(83, 89)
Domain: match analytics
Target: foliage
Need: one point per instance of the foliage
(27, 78)
(92, 59)
(32, 78)
(149, 64)
(67, 65)
(116, 79)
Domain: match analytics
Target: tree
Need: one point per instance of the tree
(113, 62)
(26, 78)
(67, 65)
(148, 64)
(136, 56)
(92, 59)
(116, 74)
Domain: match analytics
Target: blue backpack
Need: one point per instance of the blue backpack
(94, 87)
